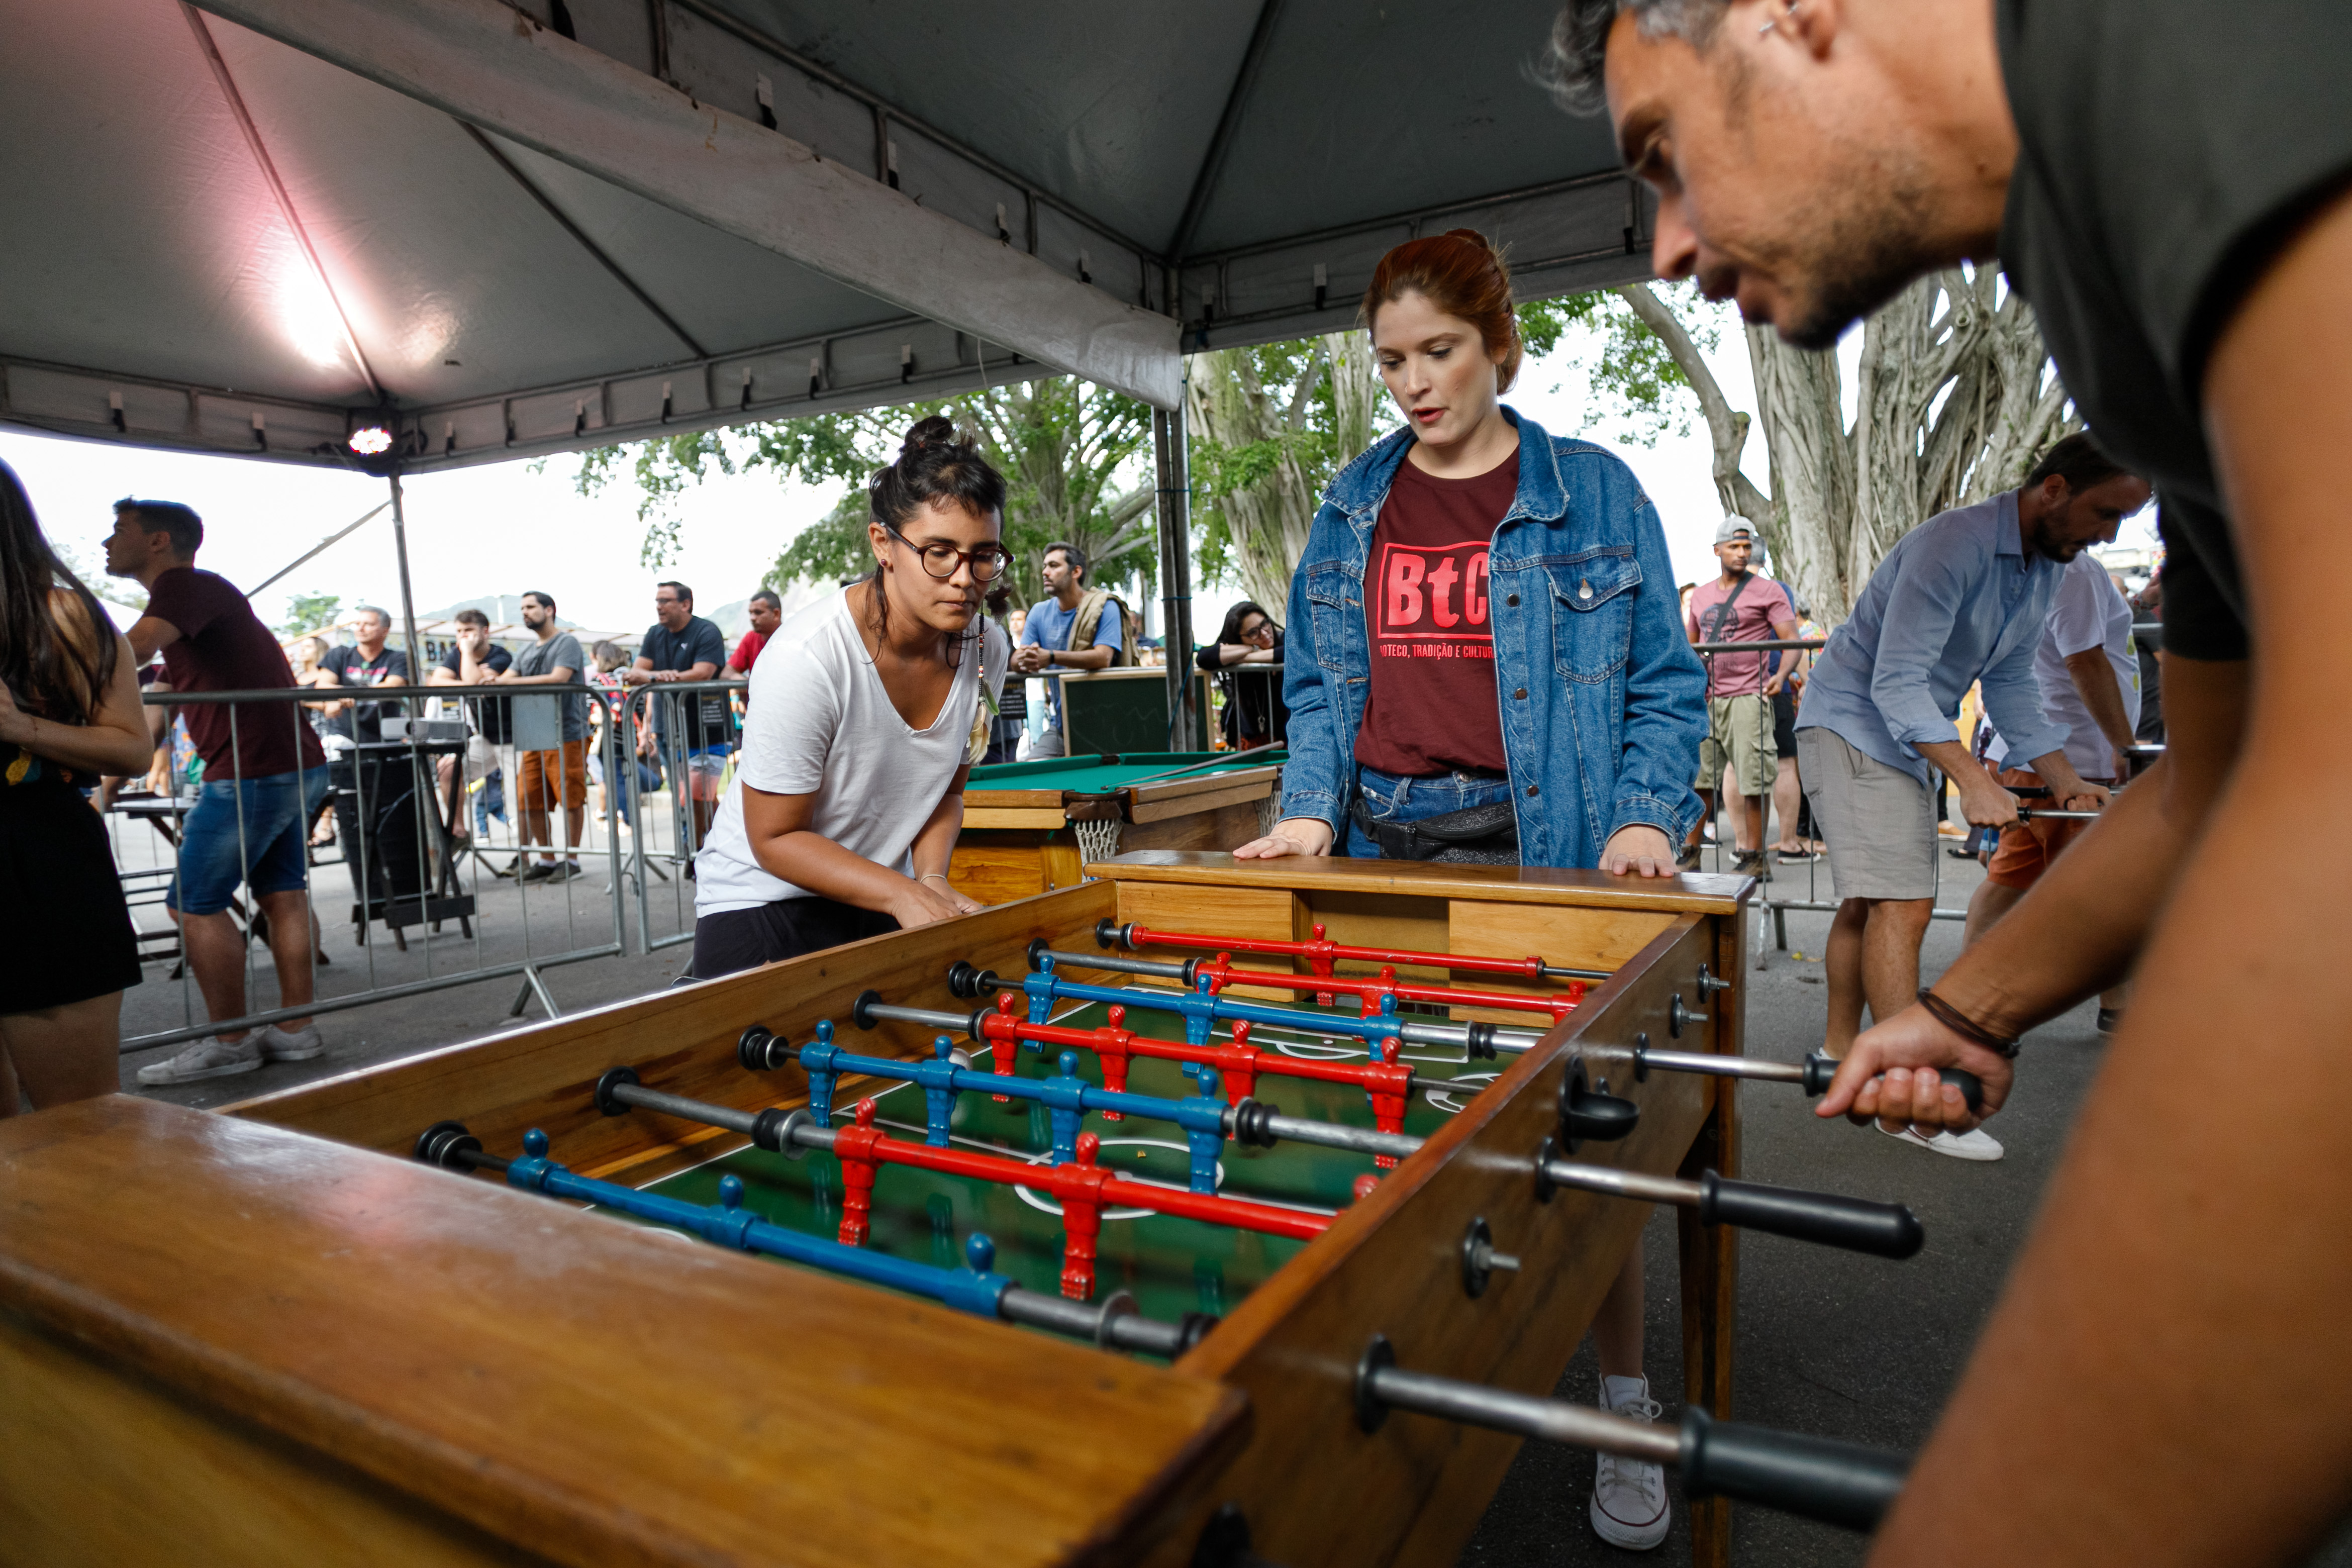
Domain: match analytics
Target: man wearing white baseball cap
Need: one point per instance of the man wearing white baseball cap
(1738, 606)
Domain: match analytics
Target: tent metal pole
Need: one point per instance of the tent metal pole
(1169, 439)
(407, 600)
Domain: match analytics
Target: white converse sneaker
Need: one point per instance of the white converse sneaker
(1629, 1498)
(1974, 1144)
(278, 1046)
(205, 1058)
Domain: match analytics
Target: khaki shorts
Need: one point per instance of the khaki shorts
(1879, 822)
(1738, 736)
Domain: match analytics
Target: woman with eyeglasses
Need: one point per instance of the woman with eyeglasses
(849, 792)
(1254, 715)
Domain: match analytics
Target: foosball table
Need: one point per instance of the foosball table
(1205, 1213)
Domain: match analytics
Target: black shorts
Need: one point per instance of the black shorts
(735, 940)
(65, 928)
(1784, 722)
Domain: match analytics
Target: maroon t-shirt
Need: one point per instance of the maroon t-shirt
(1432, 708)
(224, 646)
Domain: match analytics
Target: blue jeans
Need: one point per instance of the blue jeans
(245, 830)
(1401, 800)
(490, 801)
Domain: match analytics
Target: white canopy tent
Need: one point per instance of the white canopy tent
(495, 229)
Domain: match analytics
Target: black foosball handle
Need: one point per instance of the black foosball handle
(1857, 1225)
(1845, 1484)
(1821, 1069)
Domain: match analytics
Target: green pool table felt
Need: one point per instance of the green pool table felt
(1092, 775)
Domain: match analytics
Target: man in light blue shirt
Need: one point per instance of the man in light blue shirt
(1961, 598)
(1076, 628)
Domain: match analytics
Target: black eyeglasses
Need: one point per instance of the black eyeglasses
(941, 559)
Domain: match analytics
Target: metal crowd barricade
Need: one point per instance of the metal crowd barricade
(1230, 680)
(439, 893)
(1779, 908)
(690, 731)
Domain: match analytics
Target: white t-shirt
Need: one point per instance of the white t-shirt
(820, 723)
(2087, 613)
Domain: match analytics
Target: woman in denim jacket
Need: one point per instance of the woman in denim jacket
(1485, 662)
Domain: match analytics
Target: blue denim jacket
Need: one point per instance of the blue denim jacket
(1603, 702)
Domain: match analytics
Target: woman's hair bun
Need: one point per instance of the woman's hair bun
(935, 431)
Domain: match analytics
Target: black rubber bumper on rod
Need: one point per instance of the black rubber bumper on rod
(1838, 1483)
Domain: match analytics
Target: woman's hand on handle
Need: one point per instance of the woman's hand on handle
(1292, 835)
(1636, 850)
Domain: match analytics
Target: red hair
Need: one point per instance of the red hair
(1462, 274)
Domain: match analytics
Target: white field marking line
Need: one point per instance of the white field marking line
(1037, 1200)
(1442, 1098)
(1031, 1157)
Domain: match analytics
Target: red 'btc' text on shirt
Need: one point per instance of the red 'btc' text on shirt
(1432, 706)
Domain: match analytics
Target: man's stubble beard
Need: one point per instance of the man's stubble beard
(1857, 255)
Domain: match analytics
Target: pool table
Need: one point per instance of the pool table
(1029, 827)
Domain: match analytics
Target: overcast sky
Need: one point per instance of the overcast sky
(503, 529)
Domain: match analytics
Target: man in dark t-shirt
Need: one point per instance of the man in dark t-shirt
(363, 786)
(473, 660)
(694, 732)
(369, 663)
(2169, 185)
(265, 780)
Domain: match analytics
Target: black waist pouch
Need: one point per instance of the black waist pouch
(1480, 835)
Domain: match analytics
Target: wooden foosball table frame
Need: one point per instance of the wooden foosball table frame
(270, 1336)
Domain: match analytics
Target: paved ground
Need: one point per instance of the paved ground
(514, 923)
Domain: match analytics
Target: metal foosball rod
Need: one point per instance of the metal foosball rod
(1843, 1484)
(1201, 1008)
(1812, 1075)
(1368, 988)
(1084, 1189)
(1389, 1084)
(975, 1289)
(1478, 1041)
(1854, 1225)
(1322, 954)
(1065, 1096)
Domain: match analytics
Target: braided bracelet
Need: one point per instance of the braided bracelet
(1960, 1023)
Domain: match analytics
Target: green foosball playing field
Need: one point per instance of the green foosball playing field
(1171, 1266)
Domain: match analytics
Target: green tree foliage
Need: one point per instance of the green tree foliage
(309, 611)
(1272, 424)
(1269, 426)
(1072, 455)
(1637, 388)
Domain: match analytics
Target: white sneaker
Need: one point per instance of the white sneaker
(1629, 1498)
(205, 1058)
(1973, 1144)
(278, 1046)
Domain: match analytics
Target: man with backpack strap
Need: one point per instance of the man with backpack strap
(1076, 627)
(1738, 606)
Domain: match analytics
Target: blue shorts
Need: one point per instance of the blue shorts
(265, 852)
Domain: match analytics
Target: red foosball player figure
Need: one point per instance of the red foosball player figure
(854, 1147)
